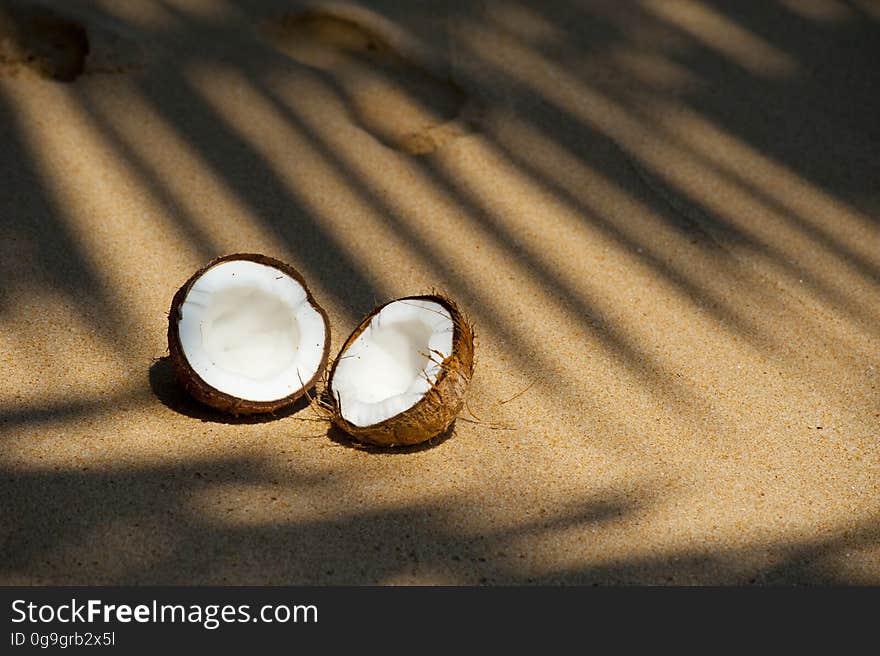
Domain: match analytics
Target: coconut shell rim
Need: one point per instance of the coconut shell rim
(210, 395)
(461, 331)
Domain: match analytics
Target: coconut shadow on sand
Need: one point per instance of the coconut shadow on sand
(172, 395)
(342, 438)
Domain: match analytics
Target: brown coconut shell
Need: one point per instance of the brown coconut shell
(202, 391)
(439, 407)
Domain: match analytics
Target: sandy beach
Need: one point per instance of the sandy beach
(662, 216)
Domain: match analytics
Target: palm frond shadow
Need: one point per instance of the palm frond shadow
(54, 518)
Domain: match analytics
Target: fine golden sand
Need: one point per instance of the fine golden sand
(663, 217)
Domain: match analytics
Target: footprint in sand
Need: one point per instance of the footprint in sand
(37, 40)
(400, 102)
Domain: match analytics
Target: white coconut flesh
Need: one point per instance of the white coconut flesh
(394, 362)
(249, 330)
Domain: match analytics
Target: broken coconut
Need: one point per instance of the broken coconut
(401, 376)
(246, 336)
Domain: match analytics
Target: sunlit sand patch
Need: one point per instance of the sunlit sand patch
(147, 15)
(822, 246)
(158, 146)
(433, 223)
(105, 432)
(655, 70)
(208, 11)
(527, 24)
(791, 372)
(309, 177)
(823, 11)
(74, 144)
(398, 100)
(429, 226)
(721, 34)
(39, 343)
(819, 209)
(639, 238)
(646, 149)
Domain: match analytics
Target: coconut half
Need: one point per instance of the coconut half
(402, 375)
(246, 335)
